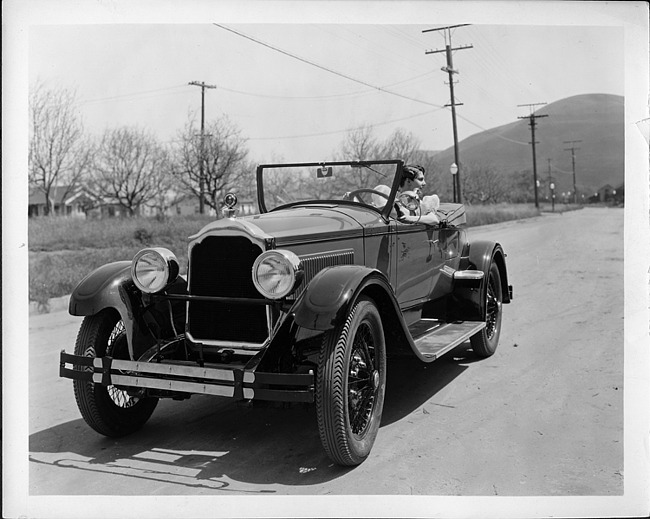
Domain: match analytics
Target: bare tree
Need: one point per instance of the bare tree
(59, 155)
(483, 184)
(169, 195)
(129, 168)
(359, 144)
(400, 145)
(208, 164)
(519, 186)
(243, 182)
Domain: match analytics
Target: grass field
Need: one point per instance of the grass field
(63, 250)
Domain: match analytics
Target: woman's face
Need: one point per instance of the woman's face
(417, 183)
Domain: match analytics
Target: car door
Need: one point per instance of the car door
(419, 259)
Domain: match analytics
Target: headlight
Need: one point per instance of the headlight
(277, 273)
(154, 269)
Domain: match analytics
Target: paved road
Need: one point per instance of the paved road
(542, 417)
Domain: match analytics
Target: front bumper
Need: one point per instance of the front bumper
(178, 377)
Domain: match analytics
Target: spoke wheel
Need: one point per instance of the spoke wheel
(350, 385)
(107, 409)
(486, 341)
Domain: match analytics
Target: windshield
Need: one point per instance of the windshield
(368, 183)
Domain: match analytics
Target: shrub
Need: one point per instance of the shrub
(143, 236)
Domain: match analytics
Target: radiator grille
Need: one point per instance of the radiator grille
(221, 266)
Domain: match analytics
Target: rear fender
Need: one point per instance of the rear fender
(469, 304)
(482, 254)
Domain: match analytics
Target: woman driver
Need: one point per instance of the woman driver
(411, 185)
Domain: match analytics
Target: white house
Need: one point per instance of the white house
(65, 202)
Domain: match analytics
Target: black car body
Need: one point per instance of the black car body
(305, 302)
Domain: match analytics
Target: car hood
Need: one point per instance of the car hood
(293, 225)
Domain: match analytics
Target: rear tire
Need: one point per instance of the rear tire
(486, 341)
(350, 385)
(108, 410)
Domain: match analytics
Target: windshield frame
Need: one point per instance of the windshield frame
(385, 211)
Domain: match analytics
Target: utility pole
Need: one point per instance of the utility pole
(201, 152)
(449, 68)
(551, 186)
(532, 123)
(573, 149)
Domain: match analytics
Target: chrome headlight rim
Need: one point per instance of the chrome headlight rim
(160, 269)
(294, 270)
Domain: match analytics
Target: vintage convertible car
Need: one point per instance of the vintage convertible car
(304, 302)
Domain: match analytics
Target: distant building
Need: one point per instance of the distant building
(190, 206)
(81, 204)
(107, 210)
(65, 202)
(605, 193)
(609, 194)
(247, 207)
(186, 206)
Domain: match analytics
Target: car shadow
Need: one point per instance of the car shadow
(410, 383)
(208, 443)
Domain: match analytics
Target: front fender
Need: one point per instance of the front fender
(329, 294)
(326, 301)
(102, 288)
(109, 286)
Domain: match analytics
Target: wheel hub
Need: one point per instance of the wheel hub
(375, 379)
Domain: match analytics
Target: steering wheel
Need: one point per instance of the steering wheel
(355, 194)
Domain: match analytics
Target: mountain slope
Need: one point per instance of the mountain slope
(597, 120)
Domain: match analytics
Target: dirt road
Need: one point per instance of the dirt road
(542, 417)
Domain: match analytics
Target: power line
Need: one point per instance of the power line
(334, 132)
(132, 94)
(494, 63)
(379, 49)
(555, 168)
(326, 69)
(330, 96)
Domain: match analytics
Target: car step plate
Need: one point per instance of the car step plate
(435, 339)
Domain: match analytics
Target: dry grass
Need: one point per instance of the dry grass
(487, 214)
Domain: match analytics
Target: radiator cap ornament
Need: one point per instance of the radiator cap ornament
(229, 201)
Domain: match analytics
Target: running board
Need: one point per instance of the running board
(434, 339)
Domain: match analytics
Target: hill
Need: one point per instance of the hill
(597, 120)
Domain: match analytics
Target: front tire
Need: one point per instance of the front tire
(108, 410)
(350, 385)
(486, 341)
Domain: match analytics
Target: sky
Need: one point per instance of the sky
(295, 90)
